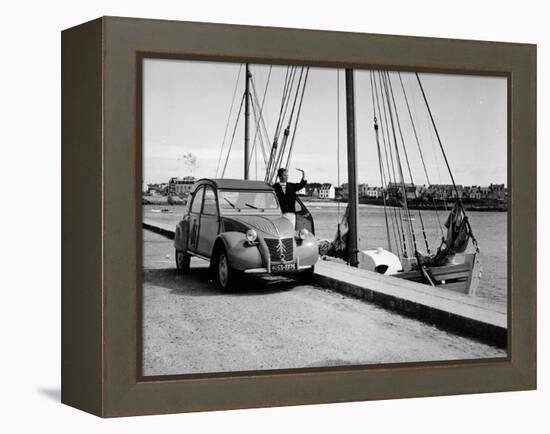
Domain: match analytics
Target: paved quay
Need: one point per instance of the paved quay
(274, 323)
(459, 313)
(450, 310)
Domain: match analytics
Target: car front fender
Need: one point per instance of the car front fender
(242, 256)
(307, 251)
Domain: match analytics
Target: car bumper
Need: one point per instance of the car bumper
(264, 270)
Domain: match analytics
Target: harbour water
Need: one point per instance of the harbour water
(490, 229)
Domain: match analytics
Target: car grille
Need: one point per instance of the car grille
(280, 249)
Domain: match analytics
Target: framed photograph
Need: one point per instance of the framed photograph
(260, 217)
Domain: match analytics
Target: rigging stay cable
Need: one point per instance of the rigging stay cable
(260, 127)
(397, 222)
(381, 167)
(286, 131)
(289, 155)
(258, 140)
(410, 227)
(419, 150)
(459, 200)
(388, 146)
(408, 163)
(288, 84)
(338, 141)
(263, 129)
(282, 149)
(229, 118)
(274, 145)
(431, 136)
(438, 138)
(233, 135)
(260, 117)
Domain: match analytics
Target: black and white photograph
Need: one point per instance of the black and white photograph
(301, 217)
(276, 217)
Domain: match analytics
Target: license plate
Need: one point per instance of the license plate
(278, 268)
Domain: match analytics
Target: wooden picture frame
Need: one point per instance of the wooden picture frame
(101, 216)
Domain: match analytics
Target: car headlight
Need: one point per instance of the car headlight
(251, 235)
(303, 233)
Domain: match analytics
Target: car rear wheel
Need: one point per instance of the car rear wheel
(183, 261)
(225, 275)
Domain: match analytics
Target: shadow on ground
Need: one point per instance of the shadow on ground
(52, 393)
(199, 283)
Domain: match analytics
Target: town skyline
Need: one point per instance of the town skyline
(181, 187)
(345, 183)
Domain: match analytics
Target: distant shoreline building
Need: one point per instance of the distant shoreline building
(180, 186)
(157, 189)
(395, 191)
(371, 192)
(327, 191)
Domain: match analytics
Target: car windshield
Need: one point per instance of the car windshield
(249, 201)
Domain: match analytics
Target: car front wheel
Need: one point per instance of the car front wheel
(183, 261)
(224, 274)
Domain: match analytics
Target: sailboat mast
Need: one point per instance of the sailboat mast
(246, 120)
(352, 169)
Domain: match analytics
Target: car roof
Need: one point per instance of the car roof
(234, 184)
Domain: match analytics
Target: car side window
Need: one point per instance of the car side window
(210, 207)
(298, 207)
(197, 200)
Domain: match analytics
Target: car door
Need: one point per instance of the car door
(209, 224)
(194, 219)
(304, 219)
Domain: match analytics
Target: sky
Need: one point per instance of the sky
(186, 105)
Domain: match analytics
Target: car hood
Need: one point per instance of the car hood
(271, 226)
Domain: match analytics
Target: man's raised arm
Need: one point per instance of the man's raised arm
(302, 182)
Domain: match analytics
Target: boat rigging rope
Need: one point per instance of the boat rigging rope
(338, 143)
(410, 228)
(397, 223)
(439, 139)
(396, 218)
(408, 165)
(459, 199)
(280, 156)
(287, 91)
(286, 132)
(297, 118)
(381, 167)
(258, 140)
(233, 136)
(273, 156)
(260, 124)
(420, 152)
(397, 159)
(229, 118)
(260, 114)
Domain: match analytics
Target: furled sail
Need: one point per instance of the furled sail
(458, 230)
(338, 247)
(458, 236)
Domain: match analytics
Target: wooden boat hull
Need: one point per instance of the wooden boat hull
(455, 276)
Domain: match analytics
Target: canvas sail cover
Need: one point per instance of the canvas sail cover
(456, 241)
(458, 230)
(338, 247)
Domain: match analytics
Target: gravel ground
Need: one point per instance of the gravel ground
(273, 323)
